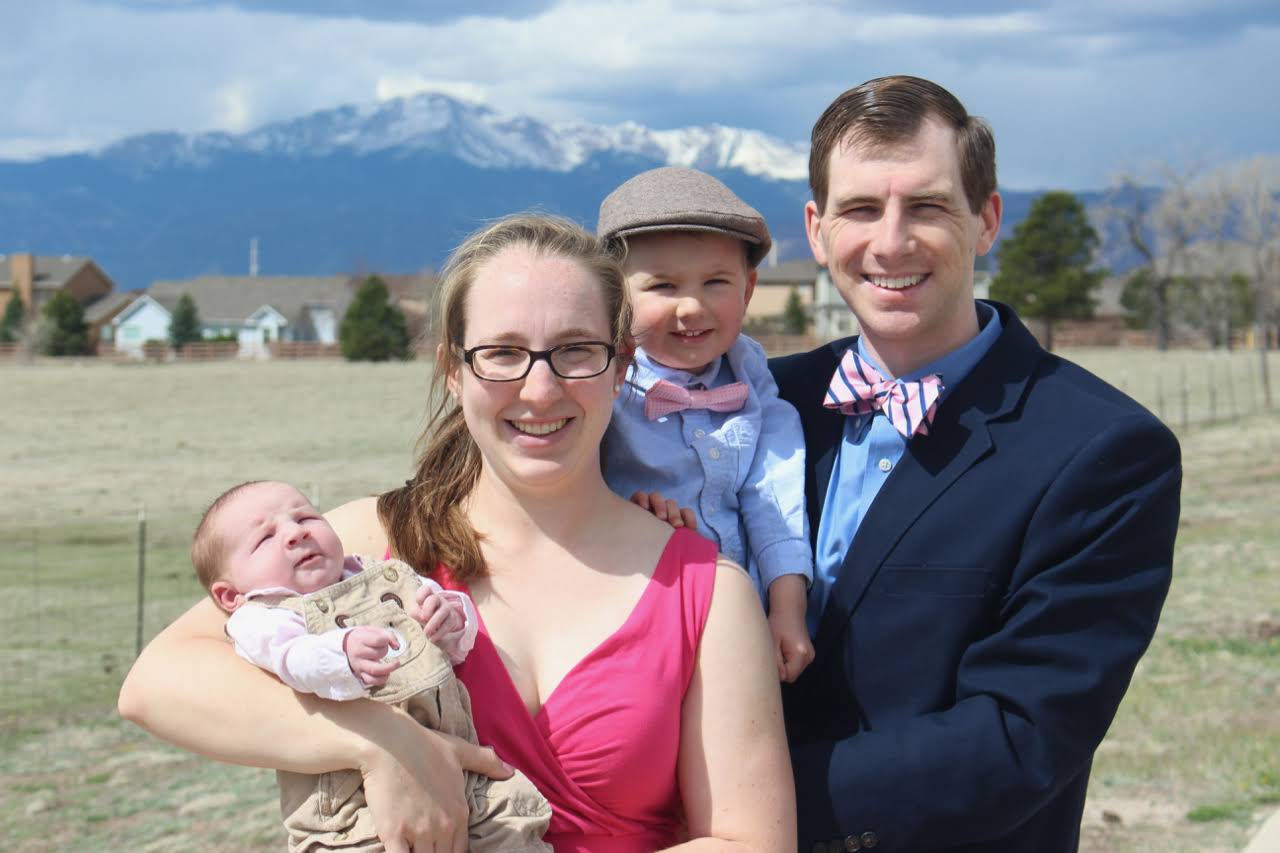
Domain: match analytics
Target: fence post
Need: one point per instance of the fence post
(142, 575)
(1160, 398)
(1213, 390)
(1186, 392)
(1231, 389)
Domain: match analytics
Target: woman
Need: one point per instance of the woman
(622, 667)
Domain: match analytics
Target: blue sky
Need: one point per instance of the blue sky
(1077, 91)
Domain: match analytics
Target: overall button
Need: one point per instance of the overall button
(389, 573)
(322, 606)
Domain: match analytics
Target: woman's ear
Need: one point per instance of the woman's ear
(451, 377)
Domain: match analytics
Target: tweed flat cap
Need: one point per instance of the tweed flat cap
(674, 198)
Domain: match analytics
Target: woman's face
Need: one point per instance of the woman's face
(540, 432)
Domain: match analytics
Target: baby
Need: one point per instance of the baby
(345, 628)
(701, 423)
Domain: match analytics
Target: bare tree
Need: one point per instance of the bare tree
(1255, 188)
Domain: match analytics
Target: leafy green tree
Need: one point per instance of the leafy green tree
(184, 327)
(795, 320)
(373, 329)
(66, 332)
(1045, 266)
(15, 312)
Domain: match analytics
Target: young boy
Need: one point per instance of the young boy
(701, 423)
(346, 628)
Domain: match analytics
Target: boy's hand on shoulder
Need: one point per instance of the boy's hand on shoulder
(438, 616)
(665, 509)
(792, 645)
(365, 648)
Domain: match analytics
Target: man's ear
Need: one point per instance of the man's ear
(989, 217)
(813, 230)
(226, 596)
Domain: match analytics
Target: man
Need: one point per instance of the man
(993, 526)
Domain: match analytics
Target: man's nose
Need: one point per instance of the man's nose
(892, 236)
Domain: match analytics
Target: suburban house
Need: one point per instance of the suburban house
(36, 278)
(774, 284)
(255, 310)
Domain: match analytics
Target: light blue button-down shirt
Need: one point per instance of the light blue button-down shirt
(742, 473)
(869, 451)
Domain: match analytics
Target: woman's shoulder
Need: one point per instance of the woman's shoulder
(358, 526)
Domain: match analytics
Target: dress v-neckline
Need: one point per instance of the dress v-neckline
(539, 715)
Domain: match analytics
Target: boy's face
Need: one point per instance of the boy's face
(690, 291)
(273, 537)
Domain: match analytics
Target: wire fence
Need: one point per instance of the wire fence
(78, 599)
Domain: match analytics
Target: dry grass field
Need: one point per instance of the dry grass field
(1191, 764)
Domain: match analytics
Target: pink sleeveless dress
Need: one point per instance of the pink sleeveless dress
(603, 747)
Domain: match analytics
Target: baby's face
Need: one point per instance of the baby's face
(274, 537)
(690, 291)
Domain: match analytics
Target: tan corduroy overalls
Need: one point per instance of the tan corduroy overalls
(329, 812)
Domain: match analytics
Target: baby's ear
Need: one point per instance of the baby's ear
(226, 596)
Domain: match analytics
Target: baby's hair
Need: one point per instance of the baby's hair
(207, 549)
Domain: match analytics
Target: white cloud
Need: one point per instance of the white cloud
(1071, 87)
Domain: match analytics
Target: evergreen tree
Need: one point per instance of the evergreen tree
(795, 320)
(1045, 266)
(11, 324)
(66, 332)
(373, 329)
(184, 327)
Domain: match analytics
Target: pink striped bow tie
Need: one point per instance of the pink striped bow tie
(859, 389)
(667, 397)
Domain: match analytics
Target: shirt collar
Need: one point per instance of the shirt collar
(647, 372)
(957, 364)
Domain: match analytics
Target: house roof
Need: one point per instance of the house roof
(109, 306)
(52, 271)
(803, 271)
(232, 299)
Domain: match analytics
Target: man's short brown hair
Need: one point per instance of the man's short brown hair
(888, 111)
(208, 550)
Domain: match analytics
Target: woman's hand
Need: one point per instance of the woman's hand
(416, 794)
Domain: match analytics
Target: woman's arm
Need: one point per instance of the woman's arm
(735, 771)
(188, 687)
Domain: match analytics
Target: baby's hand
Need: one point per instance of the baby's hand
(366, 647)
(665, 509)
(792, 646)
(439, 616)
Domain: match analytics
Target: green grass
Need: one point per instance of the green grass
(1192, 762)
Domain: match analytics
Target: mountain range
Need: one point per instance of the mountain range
(386, 187)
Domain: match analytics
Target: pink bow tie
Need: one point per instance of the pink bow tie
(667, 397)
(857, 388)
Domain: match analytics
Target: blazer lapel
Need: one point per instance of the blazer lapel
(957, 439)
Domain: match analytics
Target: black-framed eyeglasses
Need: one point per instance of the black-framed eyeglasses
(507, 363)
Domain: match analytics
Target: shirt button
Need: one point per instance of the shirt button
(699, 433)
(714, 453)
(886, 465)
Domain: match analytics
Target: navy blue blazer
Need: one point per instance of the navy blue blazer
(991, 609)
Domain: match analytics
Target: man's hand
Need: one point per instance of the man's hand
(792, 645)
(438, 615)
(366, 647)
(666, 510)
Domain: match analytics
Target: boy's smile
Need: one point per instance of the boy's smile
(690, 291)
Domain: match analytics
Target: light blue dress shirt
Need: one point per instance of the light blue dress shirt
(742, 473)
(869, 451)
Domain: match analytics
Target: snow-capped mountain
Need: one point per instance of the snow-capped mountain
(477, 135)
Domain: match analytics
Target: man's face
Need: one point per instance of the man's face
(899, 241)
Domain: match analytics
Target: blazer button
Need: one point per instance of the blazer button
(869, 840)
(852, 843)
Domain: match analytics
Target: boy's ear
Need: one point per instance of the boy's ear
(226, 596)
(752, 275)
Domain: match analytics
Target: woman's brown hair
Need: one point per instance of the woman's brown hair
(426, 520)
